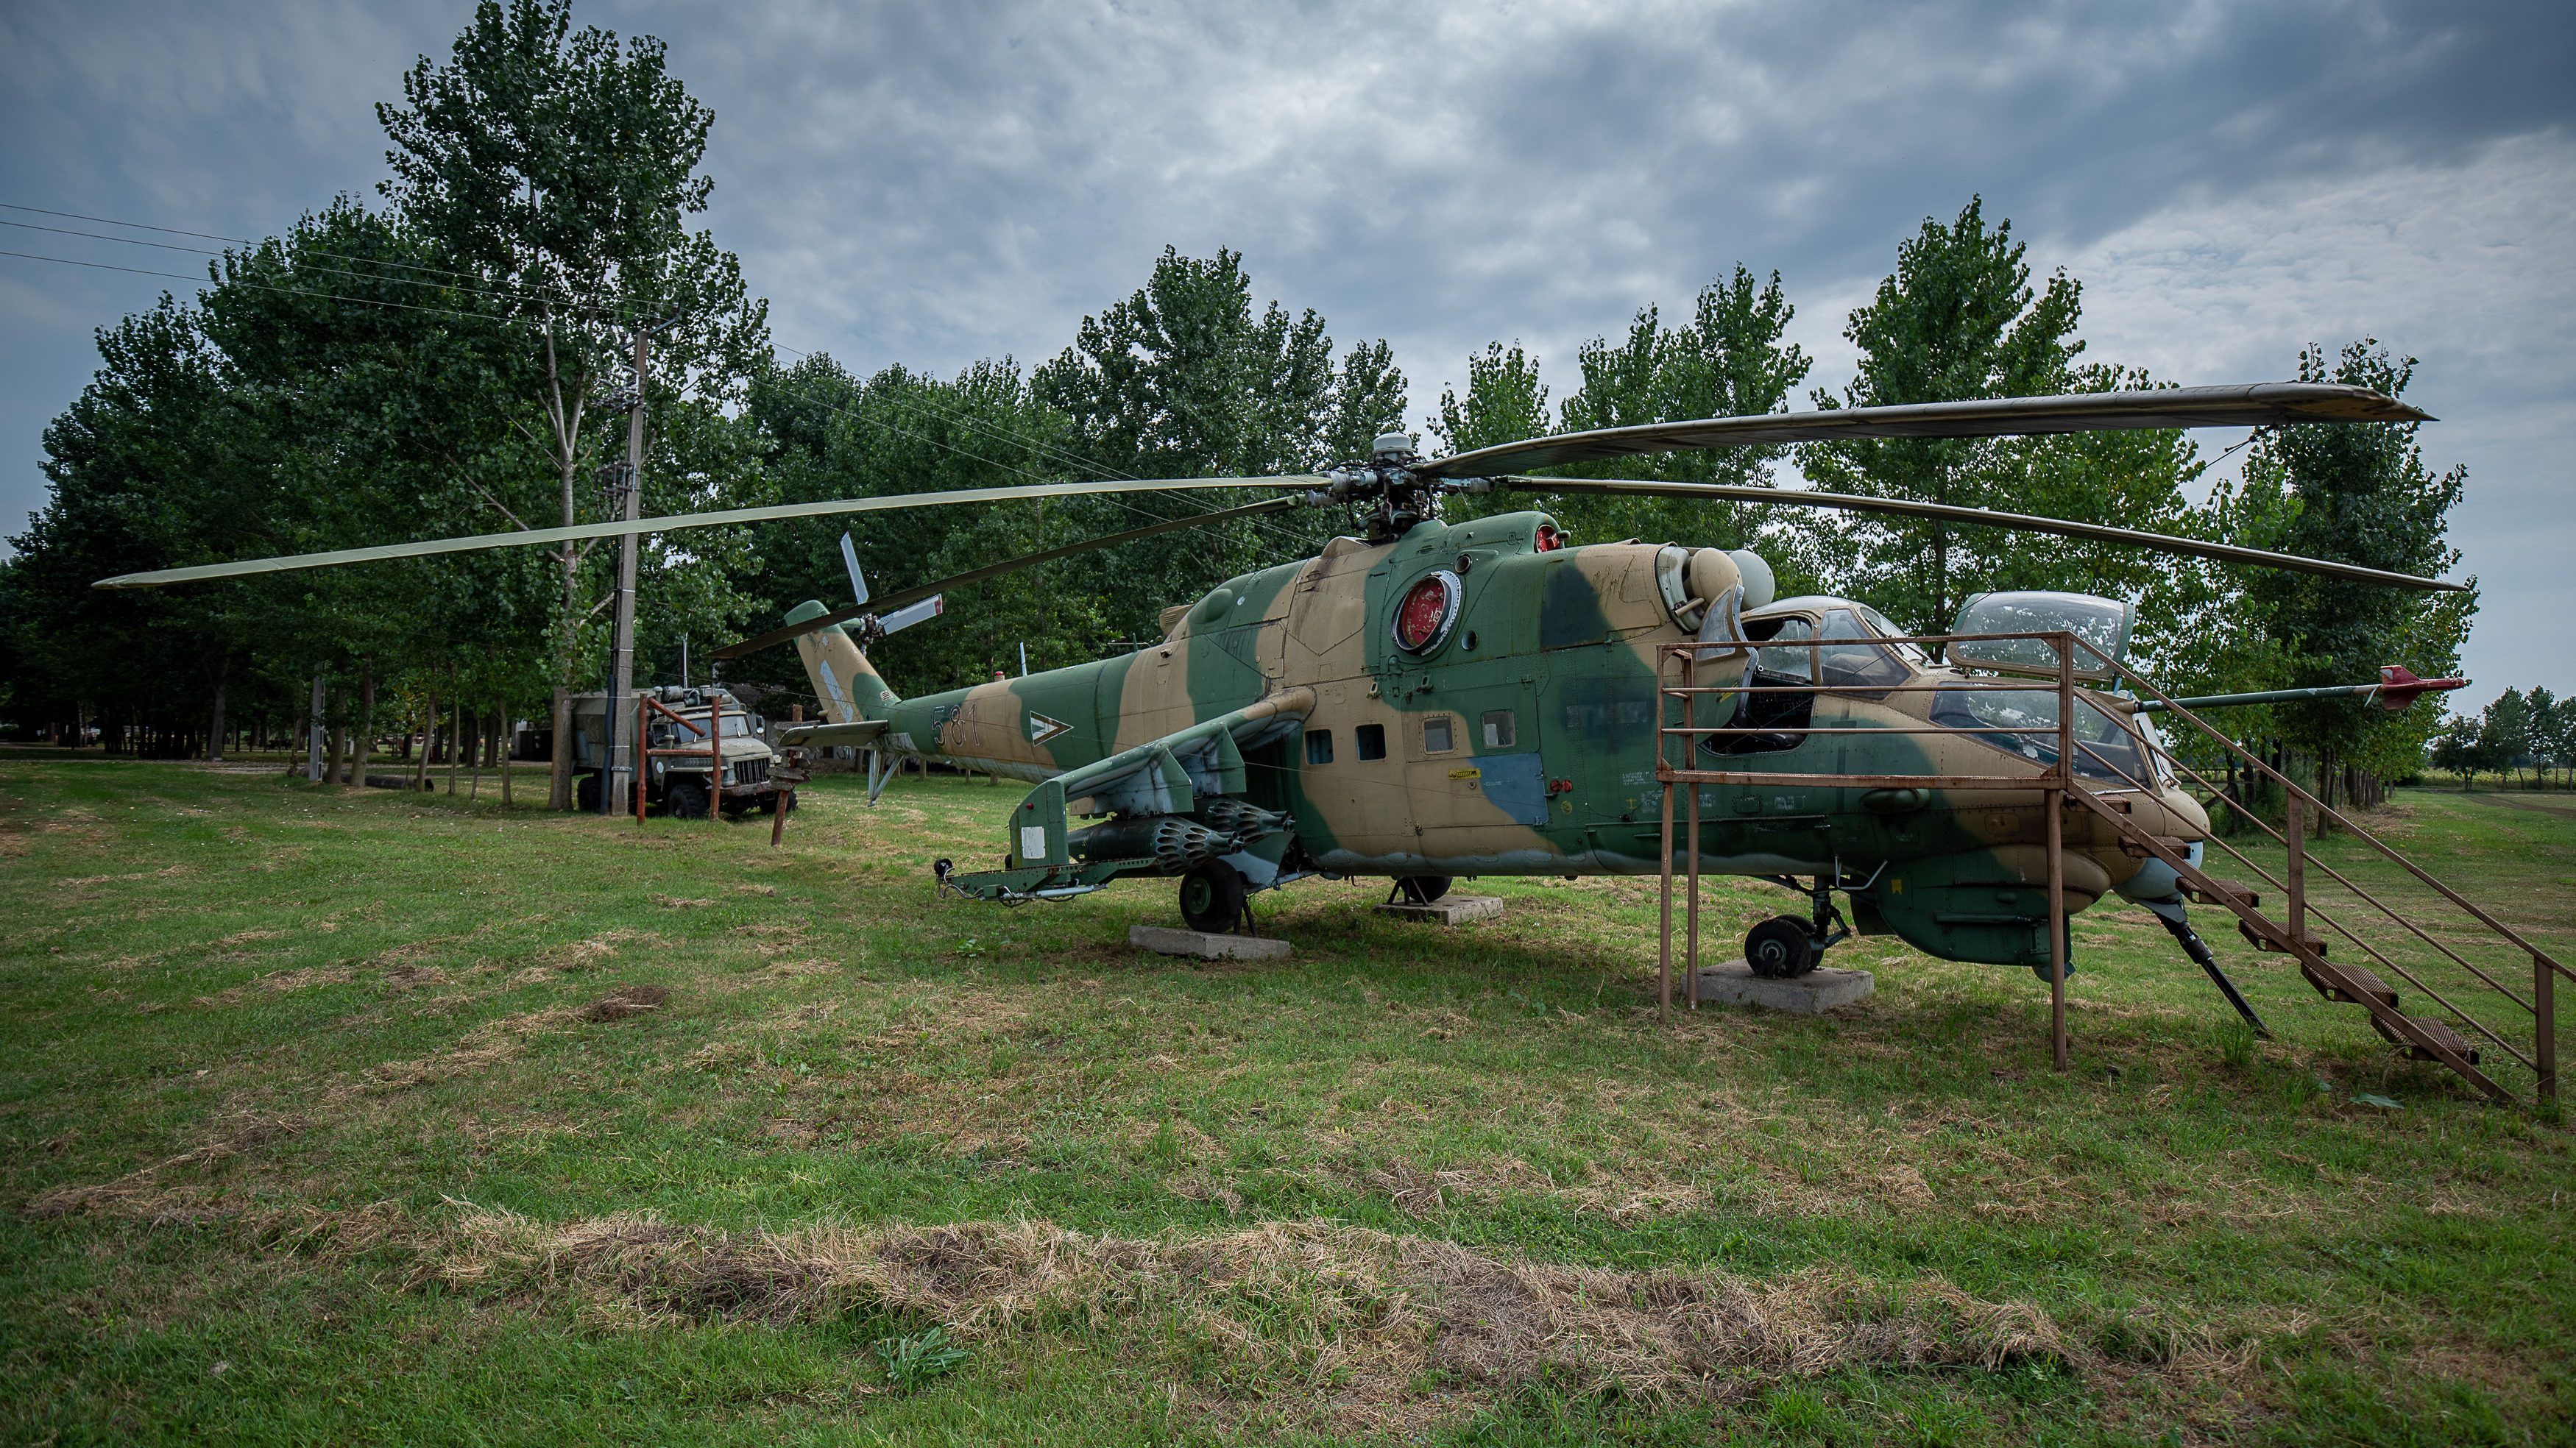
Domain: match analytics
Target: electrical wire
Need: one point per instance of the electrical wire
(1277, 534)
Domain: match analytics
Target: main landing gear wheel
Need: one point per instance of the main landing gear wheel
(685, 800)
(1212, 897)
(1782, 948)
(1421, 889)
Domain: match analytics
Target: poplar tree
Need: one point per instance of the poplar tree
(2357, 493)
(1958, 319)
(556, 170)
(1183, 378)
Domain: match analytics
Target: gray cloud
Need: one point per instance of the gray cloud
(935, 184)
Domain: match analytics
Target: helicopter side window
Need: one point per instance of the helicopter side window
(2024, 722)
(1783, 666)
(1372, 740)
(1319, 746)
(1793, 665)
(1850, 655)
(1438, 735)
(1500, 728)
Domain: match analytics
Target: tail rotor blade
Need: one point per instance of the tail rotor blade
(904, 618)
(850, 560)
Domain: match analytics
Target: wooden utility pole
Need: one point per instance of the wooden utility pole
(621, 679)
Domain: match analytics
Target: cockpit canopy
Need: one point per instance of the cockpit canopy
(2100, 627)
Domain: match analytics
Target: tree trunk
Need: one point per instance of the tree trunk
(428, 737)
(455, 716)
(501, 732)
(336, 755)
(366, 741)
(215, 733)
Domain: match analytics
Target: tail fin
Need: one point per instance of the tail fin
(851, 689)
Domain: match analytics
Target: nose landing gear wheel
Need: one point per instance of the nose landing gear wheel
(1781, 948)
(1212, 897)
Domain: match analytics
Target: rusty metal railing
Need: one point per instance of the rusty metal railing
(2052, 782)
(2295, 939)
(645, 706)
(2083, 772)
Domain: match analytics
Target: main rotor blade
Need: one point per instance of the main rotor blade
(894, 601)
(2242, 405)
(1983, 517)
(532, 536)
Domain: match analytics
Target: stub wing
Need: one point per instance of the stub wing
(1193, 778)
(832, 736)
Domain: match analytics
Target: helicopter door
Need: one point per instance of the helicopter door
(1350, 782)
(1473, 768)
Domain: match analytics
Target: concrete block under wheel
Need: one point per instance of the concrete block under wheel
(1819, 990)
(1200, 945)
(1448, 910)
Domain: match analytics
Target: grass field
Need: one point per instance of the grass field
(351, 1116)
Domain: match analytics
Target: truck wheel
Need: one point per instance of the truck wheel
(1212, 897)
(685, 799)
(585, 794)
(1781, 948)
(1423, 889)
(734, 809)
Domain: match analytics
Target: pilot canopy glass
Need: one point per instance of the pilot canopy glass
(2100, 627)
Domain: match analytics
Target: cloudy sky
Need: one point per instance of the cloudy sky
(934, 184)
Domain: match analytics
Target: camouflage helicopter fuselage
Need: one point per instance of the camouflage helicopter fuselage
(1282, 728)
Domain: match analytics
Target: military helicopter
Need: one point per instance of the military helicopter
(1432, 700)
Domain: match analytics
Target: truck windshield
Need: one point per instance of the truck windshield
(734, 726)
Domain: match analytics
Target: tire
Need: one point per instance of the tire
(585, 794)
(684, 799)
(734, 809)
(1781, 948)
(1423, 889)
(1212, 897)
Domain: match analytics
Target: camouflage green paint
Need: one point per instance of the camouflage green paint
(1523, 742)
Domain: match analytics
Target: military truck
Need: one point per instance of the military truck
(678, 784)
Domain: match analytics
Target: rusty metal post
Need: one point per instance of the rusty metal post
(2054, 801)
(1664, 954)
(715, 763)
(1691, 756)
(2544, 1010)
(784, 800)
(2057, 926)
(2294, 835)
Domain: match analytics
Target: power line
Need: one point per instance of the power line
(1278, 535)
(236, 240)
(265, 287)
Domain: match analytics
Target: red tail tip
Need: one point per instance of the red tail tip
(2398, 686)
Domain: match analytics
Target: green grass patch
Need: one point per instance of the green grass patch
(341, 1116)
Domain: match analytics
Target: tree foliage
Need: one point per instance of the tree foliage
(1183, 379)
(1958, 319)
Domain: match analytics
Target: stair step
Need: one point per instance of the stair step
(2451, 1040)
(2371, 985)
(2220, 892)
(2263, 942)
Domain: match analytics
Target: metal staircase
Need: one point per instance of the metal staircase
(2444, 948)
(2459, 1037)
